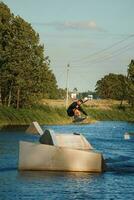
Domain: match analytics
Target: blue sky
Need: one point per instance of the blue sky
(95, 37)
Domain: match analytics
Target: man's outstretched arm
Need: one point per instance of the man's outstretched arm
(82, 111)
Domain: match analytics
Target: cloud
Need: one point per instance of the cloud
(76, 25)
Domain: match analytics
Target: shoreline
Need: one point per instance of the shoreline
(53, 115)
(23, 127)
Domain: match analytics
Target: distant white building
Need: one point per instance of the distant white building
(73, 96)
(90, 96)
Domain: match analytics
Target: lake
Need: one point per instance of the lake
(107, 137)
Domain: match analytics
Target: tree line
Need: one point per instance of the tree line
(25, 74)
(117, 86)
(114, 86)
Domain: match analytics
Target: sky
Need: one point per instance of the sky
(93, 37)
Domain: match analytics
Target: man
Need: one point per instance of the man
(74, 110)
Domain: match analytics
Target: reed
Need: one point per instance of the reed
(42, 114)
(114, 114)
(45, 114)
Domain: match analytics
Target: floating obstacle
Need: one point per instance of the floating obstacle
(128, 136)
(34, 128)
(59, 152)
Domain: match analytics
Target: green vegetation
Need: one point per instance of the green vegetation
(114, 114)
(42, 114)
(45, 114)
(130, 85)
(112, 86)
(117, 86)
(25, 75)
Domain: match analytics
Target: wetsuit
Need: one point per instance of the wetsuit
(72, 107)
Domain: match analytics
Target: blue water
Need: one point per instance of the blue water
(107, 137)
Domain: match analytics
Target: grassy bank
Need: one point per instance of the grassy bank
(114, 114)
(42, 114)
(48, 114)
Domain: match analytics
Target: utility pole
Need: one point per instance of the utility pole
(67, 85)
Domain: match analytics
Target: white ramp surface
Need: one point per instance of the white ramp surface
(34, 128)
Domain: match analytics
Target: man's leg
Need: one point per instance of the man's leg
(77, 116)
(77, 113)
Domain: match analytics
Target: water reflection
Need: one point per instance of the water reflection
(67, 185)
(33, 175)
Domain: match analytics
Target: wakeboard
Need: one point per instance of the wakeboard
(79, 119)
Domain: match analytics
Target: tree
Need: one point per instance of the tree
(24, 70)
(112, 86)
(61, 93)
(130, 94)
(5, 38)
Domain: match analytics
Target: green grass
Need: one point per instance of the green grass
(40, 113)
(57, 115)
(114, 114)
